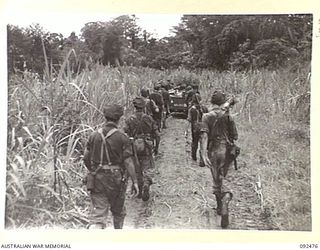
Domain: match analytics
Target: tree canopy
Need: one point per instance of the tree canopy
(239, 42)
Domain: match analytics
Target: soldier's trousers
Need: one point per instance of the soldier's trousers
(158, 119)
(194, 143)
(108, 194)
(217, 153)
(145, 170)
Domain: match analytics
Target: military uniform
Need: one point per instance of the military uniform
(158, 99)
(141, 125)
(222, 131)
(104, 159)
(166, 102)
(190, 93)
(218, 131)
(195, 113)
(150, 106)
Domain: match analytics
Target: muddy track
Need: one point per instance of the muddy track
(181, 196)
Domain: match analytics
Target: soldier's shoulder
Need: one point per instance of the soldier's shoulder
(212, 114)
(119, 134)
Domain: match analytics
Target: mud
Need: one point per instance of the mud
(181, 196)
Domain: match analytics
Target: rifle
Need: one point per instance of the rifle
(229, 103)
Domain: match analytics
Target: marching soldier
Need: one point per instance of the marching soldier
(166, 102)
(142, 129)
(151, 107)
(156, 96)
(195, 113)
(218, 132)
(109, 158)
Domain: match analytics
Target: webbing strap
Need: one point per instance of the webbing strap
(104, 143)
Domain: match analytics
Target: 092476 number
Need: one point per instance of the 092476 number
(308, 246)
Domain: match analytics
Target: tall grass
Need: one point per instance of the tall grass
(49, 120)
(273, 116)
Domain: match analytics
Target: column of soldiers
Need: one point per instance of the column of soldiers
(112, 155)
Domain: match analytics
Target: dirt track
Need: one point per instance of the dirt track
(181, 196)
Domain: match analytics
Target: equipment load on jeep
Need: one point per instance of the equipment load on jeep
(178, 102)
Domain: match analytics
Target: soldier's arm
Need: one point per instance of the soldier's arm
(129, 164)
(204, 138)
(154, 106)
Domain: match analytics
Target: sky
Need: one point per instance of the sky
(65, 23)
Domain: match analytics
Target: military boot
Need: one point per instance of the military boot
(193, 154)
(118, 222)
(164, 126)
(145, 193)
(219, 203)
(226, 198)
(140, 191)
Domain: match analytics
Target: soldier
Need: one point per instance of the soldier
(143, 130)
(109, 158)
(195, 113)
(217, 133)
(194, 89)
(151, 107)
(158, 99)
(189, 93)
(166, 102)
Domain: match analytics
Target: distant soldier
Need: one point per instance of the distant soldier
(188, 95)
(195, 113)
(166, 101)
(151, 107)
(218, 132)
(109, 158)
(156, 96)
(142, 129)
(190, 92)
(169, 84)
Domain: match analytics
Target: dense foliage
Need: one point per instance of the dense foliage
(200, 41)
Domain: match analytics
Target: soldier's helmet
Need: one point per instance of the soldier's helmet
(196, 99)
(139, 103)
(218, 97)
(113, 112)
(144, 92)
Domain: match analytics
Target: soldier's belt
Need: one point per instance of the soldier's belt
(110, 167)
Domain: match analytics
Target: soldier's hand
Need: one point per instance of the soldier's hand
(157, 110)
(135, 190)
